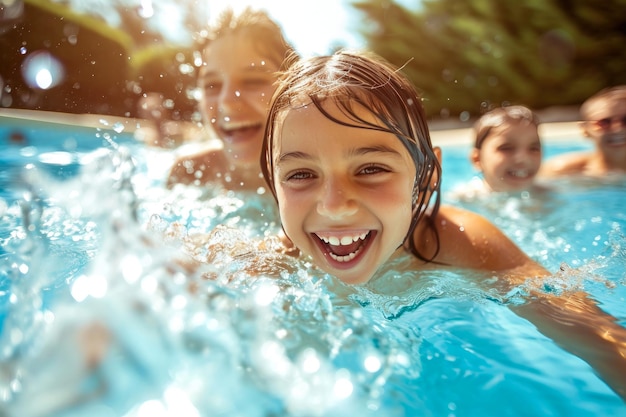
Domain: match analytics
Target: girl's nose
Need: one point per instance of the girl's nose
(523, 156)
(335, 201)
(228, 98)
(520, 156)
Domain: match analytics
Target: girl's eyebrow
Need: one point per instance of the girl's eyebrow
(373, 149)
(293, 155)
(352, 152)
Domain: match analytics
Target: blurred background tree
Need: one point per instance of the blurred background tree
(465, 56)
(469, 56)
(92, 65)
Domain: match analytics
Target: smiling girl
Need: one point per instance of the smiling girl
(348, 157)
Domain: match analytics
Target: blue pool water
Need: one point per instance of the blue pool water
(100, 318)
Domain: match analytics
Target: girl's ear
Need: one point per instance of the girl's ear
(475, 159)
(435, 179)
(437, 151)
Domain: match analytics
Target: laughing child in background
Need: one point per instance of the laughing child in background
(507, 149)
(241, 55)
(507, 152)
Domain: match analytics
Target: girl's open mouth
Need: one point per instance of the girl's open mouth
(344, 248)
(239, 132)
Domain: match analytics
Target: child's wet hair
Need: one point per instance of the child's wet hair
(617, 92)
(363, 79)
(254, 24)
(499, 116)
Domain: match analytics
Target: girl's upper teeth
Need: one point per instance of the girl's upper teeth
(520, 173)
(344, 240)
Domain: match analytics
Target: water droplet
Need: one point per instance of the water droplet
(118, 127)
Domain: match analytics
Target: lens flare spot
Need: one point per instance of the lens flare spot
(372, 364)
(89, 285)
(42, 70)
(131, 268)
(265, 295)
(343, 387)
(152, 408)
(310, 361)
(179, 404)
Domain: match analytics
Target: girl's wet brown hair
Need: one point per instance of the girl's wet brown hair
(364, 79)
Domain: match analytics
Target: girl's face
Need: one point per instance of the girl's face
(344, 193)
(237, 83)
(509, 157)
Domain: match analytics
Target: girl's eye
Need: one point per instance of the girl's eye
(373, 169)
(299, 176)
(505, 149)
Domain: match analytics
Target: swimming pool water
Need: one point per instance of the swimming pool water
(100, 318)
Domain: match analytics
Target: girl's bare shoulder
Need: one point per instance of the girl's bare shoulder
(469, 240)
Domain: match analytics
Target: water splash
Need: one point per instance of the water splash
(141, 328)
(27, 279)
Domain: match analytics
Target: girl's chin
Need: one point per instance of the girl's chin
(350, 280)
(350, 277)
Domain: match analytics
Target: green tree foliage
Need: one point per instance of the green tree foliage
(469, 56)
(105, 69)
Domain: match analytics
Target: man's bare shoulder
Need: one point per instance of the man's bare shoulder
(566, 164)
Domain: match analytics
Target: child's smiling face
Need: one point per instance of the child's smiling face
(510, 156)
(344, 193)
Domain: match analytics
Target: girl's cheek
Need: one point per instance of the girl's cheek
(284, 198)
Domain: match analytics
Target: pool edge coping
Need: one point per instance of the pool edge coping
(549, 131)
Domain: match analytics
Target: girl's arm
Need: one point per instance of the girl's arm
(572, 320)
(577, 324)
